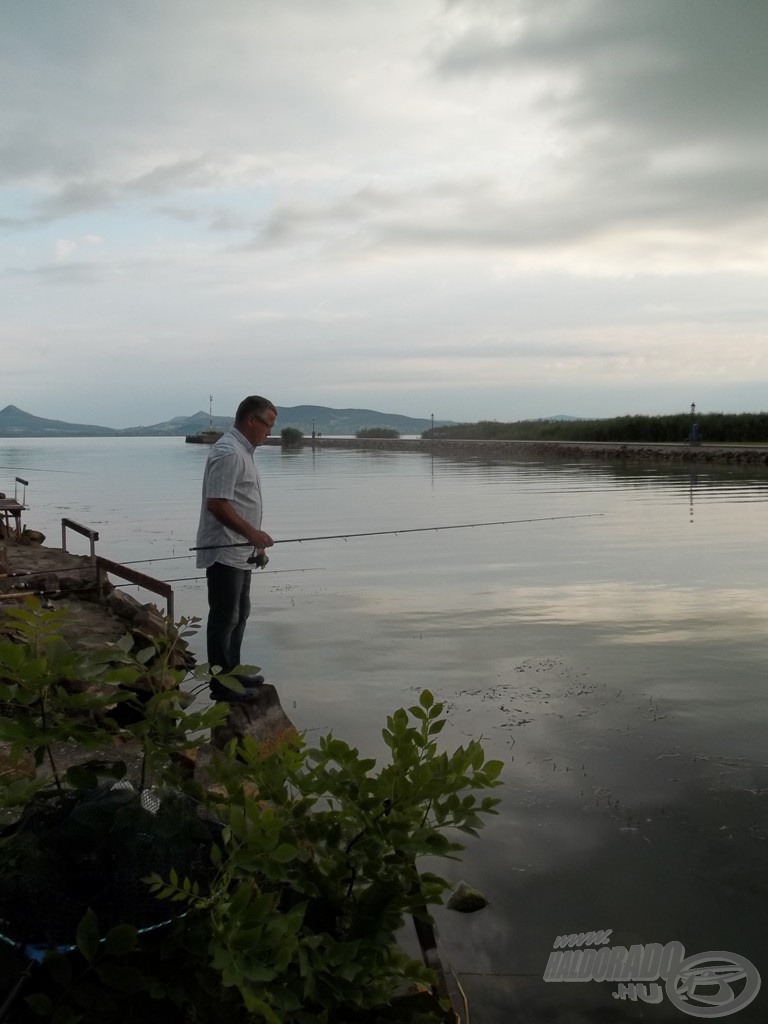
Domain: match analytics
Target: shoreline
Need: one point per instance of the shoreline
(728, 454)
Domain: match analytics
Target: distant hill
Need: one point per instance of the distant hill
(178, 426)
(321, 418)
(15, 422)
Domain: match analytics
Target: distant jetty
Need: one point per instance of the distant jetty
(730, 454)
(204, 437)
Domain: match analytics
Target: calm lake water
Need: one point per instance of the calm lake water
(615, 663)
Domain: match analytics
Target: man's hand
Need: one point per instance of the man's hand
(223, 511)
(260, 540)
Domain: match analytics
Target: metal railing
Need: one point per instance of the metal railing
(20, 480)
(106, 565)
(86, 531)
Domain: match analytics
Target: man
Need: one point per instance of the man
(230, 514)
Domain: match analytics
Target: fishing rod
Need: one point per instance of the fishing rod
(20, 577)
(389, 533)
(267, 572)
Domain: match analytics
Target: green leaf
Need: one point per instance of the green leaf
(59, 968)
(121, 939)
(93, 999)
(65, 1015)
(285, 853)
(12, 731)
(242, 897)
(145, 655)
(87, 935)
(122, 978)
(40, 1004)
(122, 675)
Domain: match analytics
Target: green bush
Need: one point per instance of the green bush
(291, 437)
(380, 432)
(310, 860)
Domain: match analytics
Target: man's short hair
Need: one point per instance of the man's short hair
(253, 404)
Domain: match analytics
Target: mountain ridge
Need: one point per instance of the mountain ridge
(16, 422)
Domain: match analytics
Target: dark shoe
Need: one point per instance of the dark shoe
(250, 685)
(223, 693)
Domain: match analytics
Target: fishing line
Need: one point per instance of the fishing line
(302, 540)
(263, 572)
(157, 558)
(391, 533)
(135, 561)
(46, 572)
(90, 587)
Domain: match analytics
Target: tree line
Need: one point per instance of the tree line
(713, 428)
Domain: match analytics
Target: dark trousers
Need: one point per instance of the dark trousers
(229, 604)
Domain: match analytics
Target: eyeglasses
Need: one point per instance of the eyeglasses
(263, 422)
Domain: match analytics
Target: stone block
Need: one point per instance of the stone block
(261, 718)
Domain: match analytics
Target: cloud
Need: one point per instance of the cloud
(62, 272)
(64, 248)
(659, 106)
(74, 198)
(536, 126)
(502, 201)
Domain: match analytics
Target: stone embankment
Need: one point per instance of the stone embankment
(97, 613)
(684, 453)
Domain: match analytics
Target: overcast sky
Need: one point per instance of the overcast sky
(481, 209)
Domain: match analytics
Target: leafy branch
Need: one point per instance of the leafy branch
(306, 858)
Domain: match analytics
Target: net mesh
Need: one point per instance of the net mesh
(91, 849)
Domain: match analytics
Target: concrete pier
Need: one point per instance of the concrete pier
(752, 455)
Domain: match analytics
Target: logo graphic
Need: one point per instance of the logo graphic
(713, 984)
(707, 985)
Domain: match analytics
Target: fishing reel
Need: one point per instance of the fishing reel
(259, 560)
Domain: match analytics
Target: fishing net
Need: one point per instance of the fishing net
(91, 849)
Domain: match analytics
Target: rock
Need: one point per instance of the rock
(262, 718)
(186, 761)
(151, 620)
(31, 537)
(124, 606)
(13, 766)
(97, 614)
(466, 900)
